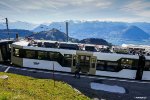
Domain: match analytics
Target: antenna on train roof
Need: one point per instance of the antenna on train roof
(7, 28)
(67, 31)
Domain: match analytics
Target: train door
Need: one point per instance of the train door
(84, 62)
(1, 56)
(73, 65)
(4, 52)
(87, 62)
(93, 65)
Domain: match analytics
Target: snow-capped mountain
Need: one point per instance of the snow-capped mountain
(41, 28)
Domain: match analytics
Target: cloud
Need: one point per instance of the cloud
(48, 10)
(140, 8)
(103, 5)
(8, 6)
(54, 4)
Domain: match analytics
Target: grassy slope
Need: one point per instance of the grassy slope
(19, 87)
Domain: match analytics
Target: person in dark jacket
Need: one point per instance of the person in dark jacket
(77, 72)
(141, 65)
(56, 44)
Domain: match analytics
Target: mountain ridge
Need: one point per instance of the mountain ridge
(135, 33)
(110, 31)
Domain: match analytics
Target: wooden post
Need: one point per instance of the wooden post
(53, 74)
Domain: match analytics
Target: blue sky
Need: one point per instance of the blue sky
(41, 11)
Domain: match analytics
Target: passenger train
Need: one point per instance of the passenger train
(63, 56)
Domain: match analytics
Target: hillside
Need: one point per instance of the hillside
(19, 87)
(95, 41)
(53, 34)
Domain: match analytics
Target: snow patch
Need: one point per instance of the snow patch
(22, 43)
(108, 88)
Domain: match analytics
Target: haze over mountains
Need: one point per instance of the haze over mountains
(19, 25)
(114, 32)
(13, 32)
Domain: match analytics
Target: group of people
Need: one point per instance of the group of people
(138, 52)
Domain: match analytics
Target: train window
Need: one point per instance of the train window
(112, 63)
(112, 66)
(147, 65)
(82, 57)
(93, 62)
(107, 65)
(42, 55)
(87, 58)
(101, 65)
(89, 48)
(16, 52)
(126, 63)
(74, 61)
(53, 56)
(84, 60)
(67, 55)
(30, 54)
(67, 60)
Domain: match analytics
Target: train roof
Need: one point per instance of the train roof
(60, 45)
(66, 45)
(135, 46)
(2, 42)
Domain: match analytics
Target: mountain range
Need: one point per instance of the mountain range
(57, 35)
(114, 32)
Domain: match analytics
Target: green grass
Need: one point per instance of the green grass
(19, 87)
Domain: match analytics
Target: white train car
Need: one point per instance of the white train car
(64, 56)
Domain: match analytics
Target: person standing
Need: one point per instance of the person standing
(56, 44)
(77, 72)
(141, 65)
